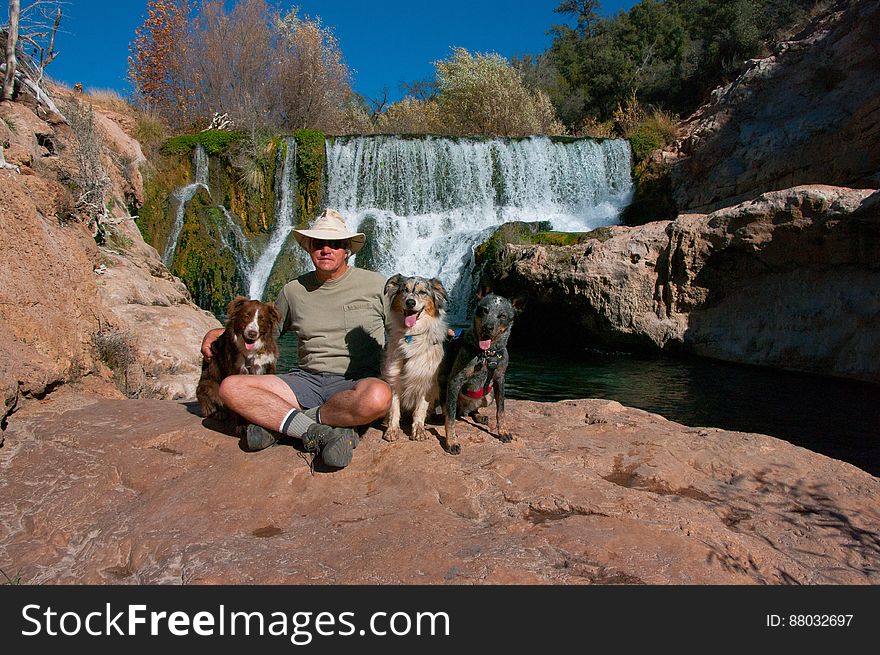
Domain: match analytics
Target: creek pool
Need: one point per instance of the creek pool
(833, 416)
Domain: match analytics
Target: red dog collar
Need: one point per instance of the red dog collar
(478, 393)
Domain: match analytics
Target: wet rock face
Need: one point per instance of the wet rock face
(787, 280)
(589, 492)
(809, 113)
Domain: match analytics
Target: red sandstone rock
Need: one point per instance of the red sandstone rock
(61, 291)
(589, 492)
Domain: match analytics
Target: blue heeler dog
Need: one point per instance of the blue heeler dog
(473, 369)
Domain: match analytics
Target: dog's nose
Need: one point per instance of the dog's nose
(410, 303)
(251, 334)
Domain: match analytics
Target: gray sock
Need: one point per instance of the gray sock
(313, 413)
(296, 423)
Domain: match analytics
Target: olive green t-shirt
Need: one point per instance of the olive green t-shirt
(340, 324)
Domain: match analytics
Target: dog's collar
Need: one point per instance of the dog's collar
(492, 358)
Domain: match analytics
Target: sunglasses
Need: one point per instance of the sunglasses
(335, 244)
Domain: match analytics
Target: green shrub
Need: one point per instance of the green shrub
(309, 169)
(215, 142)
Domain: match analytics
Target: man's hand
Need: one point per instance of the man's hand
(210, 338)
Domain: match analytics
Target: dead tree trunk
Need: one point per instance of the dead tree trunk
(11, 44)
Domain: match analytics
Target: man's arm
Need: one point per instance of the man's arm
(210, 338)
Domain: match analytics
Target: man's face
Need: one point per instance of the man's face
(329, 256)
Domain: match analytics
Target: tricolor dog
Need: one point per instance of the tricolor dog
(473, 369)
(414, 351)
(246, 347)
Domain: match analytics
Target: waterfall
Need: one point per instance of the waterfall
(426, 203)
(234, 240)
(183, 195)
(285, 211)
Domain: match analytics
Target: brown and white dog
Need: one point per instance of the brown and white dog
(415, 350)
(246, 347)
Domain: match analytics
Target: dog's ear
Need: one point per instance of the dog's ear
(235, 305)
(519, 303)
(274, 314)
(393, 284)
(438, 292)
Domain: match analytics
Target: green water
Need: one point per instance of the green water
(836, 417)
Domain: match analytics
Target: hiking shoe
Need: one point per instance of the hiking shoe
(334, 445)
(259, 438)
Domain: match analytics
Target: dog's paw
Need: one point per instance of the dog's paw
(505, 437)
(451, 446)
(392, 434)
(419, 433)
(482, 420)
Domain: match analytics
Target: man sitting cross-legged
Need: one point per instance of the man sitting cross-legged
(339, 314)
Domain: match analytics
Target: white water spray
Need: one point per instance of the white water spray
(285, 214)
(426, 203)
(183, 195)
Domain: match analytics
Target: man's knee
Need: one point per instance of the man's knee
(233, 386)
(230, 388)
(376, 398)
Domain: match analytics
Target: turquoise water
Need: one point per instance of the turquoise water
(836, 417)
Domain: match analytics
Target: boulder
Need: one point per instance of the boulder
(787, 280)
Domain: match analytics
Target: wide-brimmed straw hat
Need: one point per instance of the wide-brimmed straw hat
(330, 225)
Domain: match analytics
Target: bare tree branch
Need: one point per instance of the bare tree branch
(379, 103)
(11, 48)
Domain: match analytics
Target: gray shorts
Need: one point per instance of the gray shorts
(313, 389)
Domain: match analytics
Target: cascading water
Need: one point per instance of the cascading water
(234, 240)
(426, 203)
(183, 195)
(285, 214)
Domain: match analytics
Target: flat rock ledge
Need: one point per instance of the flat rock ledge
(103, 491)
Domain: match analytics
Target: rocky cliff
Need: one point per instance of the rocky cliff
(809, 113)
(789, 280)
(589, 492)
(70, 308)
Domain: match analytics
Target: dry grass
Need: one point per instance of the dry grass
(150, 129)
(595, 128)
(664, 123)
(109, 99)
(117, 350)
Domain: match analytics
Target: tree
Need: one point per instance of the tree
(34, 27)
(410, 116)
(158, 55)
(268, 70)
(669, 53)
(484, 94)
(231, 62)
(312, 80)
(584, 11)
(423, 90)
(11, 48)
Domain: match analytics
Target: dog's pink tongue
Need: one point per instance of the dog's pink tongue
(250, 346)
(410, 320)
(485, 344)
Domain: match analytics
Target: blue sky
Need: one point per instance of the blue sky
(384, 42)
